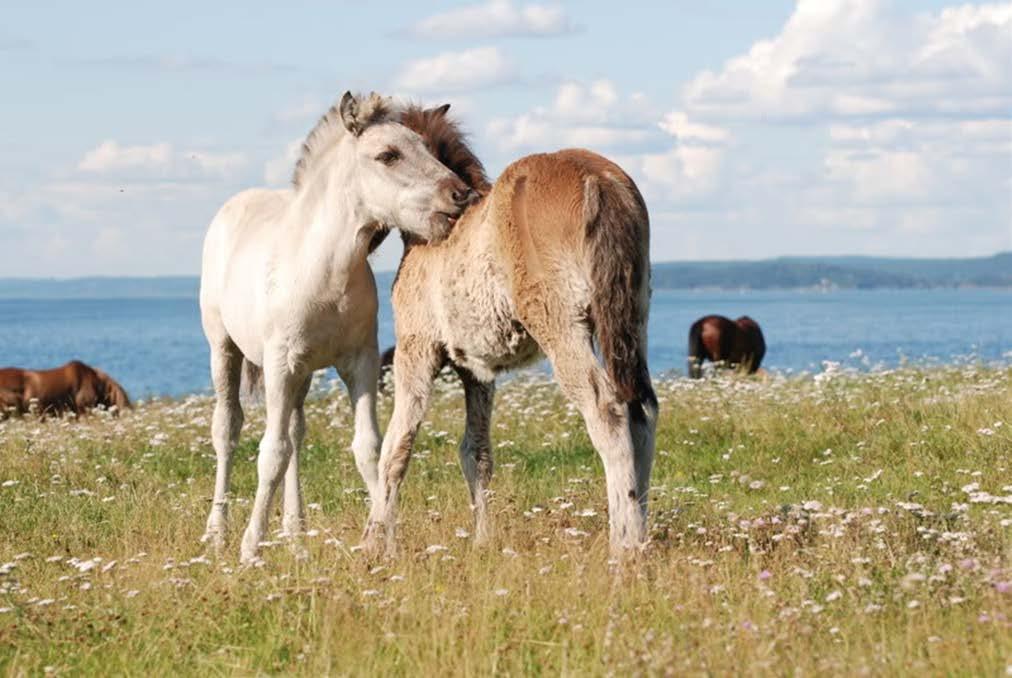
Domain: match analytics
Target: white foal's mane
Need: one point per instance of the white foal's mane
(330, 129)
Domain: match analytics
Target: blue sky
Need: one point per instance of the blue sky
(755, 129)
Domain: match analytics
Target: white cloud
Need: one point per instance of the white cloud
(926, 162)
(456, 71)
(306, 108)
(145, 228)
(278, 170)
(160, 159)
(678, 125)
(594, 115)
(854, 129)
(847, 58)
(109, 155)
(496, 18)
(630, 130)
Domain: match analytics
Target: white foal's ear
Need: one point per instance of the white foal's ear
(349, 114)
(441, 110)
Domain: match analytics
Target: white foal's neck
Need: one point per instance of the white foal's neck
(335, 228)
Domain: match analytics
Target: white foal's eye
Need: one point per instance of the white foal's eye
(389, 156)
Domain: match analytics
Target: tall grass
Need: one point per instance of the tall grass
(848, 525)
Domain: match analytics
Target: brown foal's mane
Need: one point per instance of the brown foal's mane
(447, 143)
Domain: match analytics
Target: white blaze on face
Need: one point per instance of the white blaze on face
(402, 184)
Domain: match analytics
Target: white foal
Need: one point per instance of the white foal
(286, 286)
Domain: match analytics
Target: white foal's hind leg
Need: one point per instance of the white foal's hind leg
(226, 422)
(416, 364)
(476, 448)
(280, 391)
(361, 375)
(292, 512)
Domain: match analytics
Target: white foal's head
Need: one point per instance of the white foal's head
(400, 184)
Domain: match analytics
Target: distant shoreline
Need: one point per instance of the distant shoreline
(780, 274)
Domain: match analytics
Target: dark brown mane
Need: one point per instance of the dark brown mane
(447, 143)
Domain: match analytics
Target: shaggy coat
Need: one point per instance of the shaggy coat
(722, 340)
(552, 258)
(74, 387)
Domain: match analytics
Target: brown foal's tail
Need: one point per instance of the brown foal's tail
(115, 395)
(618, 232)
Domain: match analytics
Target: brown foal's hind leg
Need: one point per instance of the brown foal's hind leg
(416, 363)
(476, 448)
(568, 346)
(643, 424)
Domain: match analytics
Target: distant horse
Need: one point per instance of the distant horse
(554, 255)
(74, 387)
(286, 289)
(734, 342)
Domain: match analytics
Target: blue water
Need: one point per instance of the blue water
(156, 346)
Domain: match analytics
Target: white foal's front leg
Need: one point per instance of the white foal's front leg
(293, 517)
(361, 375)
(226, 422)
(281, 389)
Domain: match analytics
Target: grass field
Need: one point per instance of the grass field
(849, 525)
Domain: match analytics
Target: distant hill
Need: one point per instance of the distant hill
(782, 273)
(835, 272)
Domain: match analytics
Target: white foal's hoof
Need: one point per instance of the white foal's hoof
(292, 527)
(249, 551)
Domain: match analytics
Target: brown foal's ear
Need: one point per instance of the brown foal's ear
(441, 110)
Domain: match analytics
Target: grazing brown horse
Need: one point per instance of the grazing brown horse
(735, 342)
(74, 387)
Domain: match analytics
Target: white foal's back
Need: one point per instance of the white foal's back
(239, 247)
